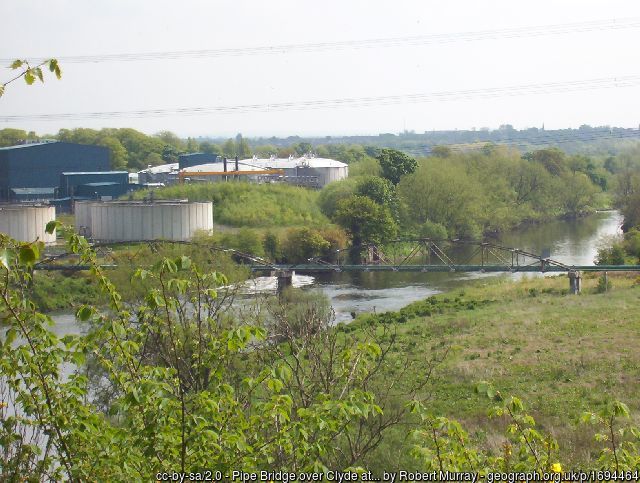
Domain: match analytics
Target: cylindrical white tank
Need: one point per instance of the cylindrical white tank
(82, 211)
(160, 220)
(27, 223)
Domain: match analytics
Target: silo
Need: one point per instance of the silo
(83, 217)
(27, 223)
(156, 220)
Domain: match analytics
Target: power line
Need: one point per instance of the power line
(509, 33)
(443, 96)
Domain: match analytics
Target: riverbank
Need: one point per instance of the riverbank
(561, 354)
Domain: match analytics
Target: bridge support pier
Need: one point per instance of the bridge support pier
(285, 279)
(575, 282)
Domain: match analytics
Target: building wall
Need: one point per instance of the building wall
(70, 181)
(40, 165)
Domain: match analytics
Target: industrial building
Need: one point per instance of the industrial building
(195, 159)
(115, 221)
(32, 171)
(163, 174)
(27, 222)
(305, 170)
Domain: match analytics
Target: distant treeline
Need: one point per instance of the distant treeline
(134, 150)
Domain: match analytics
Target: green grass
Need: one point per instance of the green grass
(561, 354)
(254, 205)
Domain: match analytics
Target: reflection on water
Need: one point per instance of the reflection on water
(573, 242)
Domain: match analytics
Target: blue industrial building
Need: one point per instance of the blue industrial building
(70, 182)
(32, 171)
(195, 159)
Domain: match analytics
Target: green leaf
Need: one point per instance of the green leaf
(16, 64)
(27, 255)
(4, 259)
(38, 72)
(84, 313)
(29, 78)
(51, 226)
(183, 263)
(1, 89)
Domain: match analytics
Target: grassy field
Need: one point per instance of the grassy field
(561, 354)
(254, 205)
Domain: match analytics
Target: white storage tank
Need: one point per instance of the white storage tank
(82, 212)
(27, 222)
(153, 220)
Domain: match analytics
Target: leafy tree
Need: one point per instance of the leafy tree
(171, 139)
(301, 244)
(395, 164)
(271, 245)
(210, 148)
(365, 221)
(181, 393)
(229, 148)
(377, 189)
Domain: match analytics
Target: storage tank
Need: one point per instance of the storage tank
(156, 220)
(27, 222)
(82, 211)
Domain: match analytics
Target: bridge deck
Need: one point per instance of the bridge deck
(320, 268)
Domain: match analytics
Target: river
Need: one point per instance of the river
(573, 242)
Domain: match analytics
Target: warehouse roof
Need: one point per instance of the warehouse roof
(27, 145)
(161, 168)
(290, 163)
(33, 191)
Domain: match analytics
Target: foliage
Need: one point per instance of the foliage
(395, 164)
(175, 401)
(245, 204)
(365, 220)
(301, 244)
(31, 73)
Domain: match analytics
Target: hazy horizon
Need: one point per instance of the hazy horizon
(287, 68)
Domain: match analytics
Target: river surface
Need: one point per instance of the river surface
(573, 242)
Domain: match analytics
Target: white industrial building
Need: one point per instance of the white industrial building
(305, 170)
(115, 221)
(27, 222)
(163, 174)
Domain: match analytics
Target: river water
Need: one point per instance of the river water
(573, 242)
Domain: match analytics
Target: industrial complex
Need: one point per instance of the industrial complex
(38, 178)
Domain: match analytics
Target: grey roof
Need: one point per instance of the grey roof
(290, 163)
(27, 145)
(33, 191)
(68, 173)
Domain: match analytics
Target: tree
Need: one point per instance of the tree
(186, 389)
(377, 189)
(210, 148)
(365, 221)
(395, 164)
(301, 244)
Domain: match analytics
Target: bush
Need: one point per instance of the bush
(301, 244)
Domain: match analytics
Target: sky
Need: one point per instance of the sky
(508, 72)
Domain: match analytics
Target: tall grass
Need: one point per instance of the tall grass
(246, 204)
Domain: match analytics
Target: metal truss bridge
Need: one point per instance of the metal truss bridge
(422, 255)
(428, 255)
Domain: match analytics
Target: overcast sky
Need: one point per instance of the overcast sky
(59, 28)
